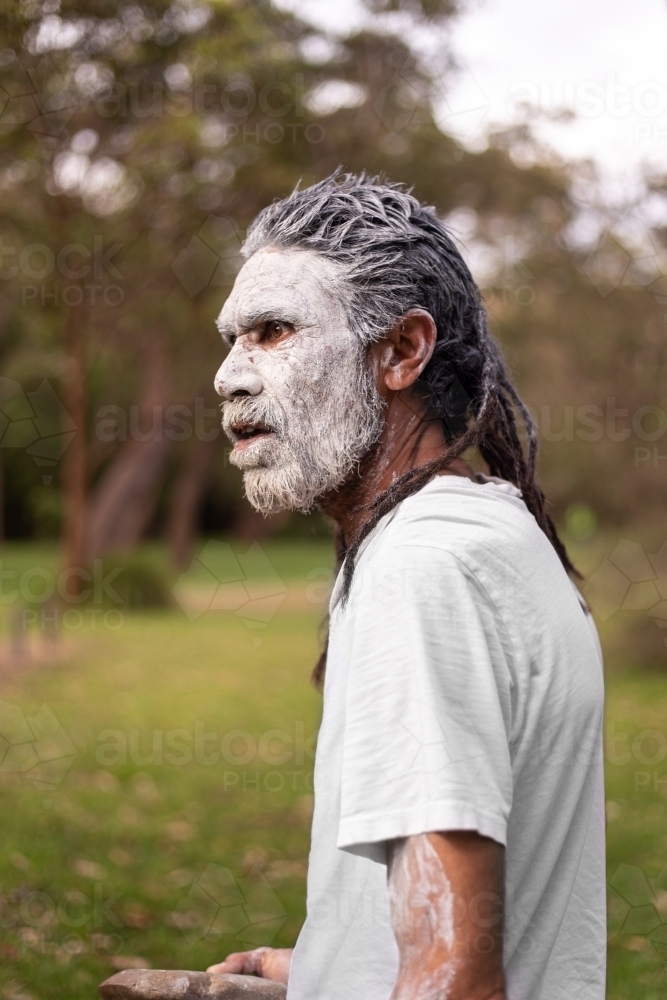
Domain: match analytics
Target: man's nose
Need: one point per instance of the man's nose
(236, 378)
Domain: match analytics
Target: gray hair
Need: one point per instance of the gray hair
(395, 254)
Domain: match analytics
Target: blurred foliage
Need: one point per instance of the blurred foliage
(137, 143)
(134, 582)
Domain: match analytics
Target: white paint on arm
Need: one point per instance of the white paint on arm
(421, 903)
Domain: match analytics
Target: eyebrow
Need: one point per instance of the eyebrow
(252, 320)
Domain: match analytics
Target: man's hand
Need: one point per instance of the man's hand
(269, 963)
(446, 899)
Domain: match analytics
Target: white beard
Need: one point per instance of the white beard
(327, 417)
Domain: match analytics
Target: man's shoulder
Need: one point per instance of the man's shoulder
(485, 538)
(467, 520)
(462, 551)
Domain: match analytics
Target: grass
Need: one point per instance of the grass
(636, 789)
(168, 820)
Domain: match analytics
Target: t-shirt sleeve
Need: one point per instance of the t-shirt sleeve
(428, 704)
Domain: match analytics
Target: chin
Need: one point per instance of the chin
(262, 494)
(271, 491)
(254, 456)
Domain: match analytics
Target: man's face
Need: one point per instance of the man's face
(302, 406)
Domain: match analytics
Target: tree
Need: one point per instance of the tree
(137, 143)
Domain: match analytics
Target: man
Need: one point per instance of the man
(458, 835)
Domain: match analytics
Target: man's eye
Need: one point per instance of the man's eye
(275, 329)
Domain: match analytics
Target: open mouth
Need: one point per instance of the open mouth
(246, 432)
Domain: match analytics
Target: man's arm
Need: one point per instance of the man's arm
(445, 897)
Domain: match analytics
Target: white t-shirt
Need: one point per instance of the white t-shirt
(463, 692)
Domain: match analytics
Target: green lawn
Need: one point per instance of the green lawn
(636, 783)
(166, 819)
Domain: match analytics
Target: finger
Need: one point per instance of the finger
(236, 964)
(241, 963)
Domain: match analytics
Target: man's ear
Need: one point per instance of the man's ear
(410, 345)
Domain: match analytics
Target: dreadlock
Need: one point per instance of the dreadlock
(394, 255)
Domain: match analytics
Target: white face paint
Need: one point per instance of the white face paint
(422, 915)
(302, 409)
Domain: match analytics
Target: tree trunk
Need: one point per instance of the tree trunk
(74, 459)
(124, 500)
(2, 497)
(186, 498)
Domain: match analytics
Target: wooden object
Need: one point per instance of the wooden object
(162, 984)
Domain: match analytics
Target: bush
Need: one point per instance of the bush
(138, 584)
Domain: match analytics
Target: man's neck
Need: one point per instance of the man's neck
(413, 436)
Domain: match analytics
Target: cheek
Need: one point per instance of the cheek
(303, 358)
(382, 366)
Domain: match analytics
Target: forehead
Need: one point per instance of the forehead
(295, 285)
